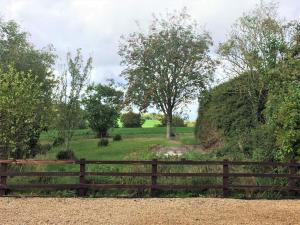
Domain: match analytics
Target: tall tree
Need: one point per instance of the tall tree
(254, 48)
(72, 83)
(17, 51)
(20, 106)
(168, 66)
(103, 104)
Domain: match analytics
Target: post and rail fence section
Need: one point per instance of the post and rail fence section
(292, 176)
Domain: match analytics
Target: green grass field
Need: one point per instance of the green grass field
(136, 143)
(150, 123)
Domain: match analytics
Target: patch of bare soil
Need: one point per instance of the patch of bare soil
(174, 151)
(164, 211)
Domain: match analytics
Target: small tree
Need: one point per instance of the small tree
(132, 119)
(69, 95)
(167, 67)
(103, 105)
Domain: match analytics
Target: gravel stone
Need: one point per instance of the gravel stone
(164, 211)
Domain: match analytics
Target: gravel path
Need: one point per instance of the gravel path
(148, 211)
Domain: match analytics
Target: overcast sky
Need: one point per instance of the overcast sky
(96, 25)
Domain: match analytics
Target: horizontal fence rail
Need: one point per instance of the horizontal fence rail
(225, 174)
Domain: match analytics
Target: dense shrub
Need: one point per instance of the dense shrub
(65, 154)
(117, 137)
(152, 116)
(103, 142)
(43, 148)
(177, 121)
(226, 121)
(132, 119)
(82, 124)
(283, 114)
(58, 141)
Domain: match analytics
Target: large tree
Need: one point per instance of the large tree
(168, 66)
(255, 45)
(17, 51)
(103, 104)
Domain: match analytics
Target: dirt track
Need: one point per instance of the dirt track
(148, 211)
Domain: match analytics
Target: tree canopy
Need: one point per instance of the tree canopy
(168, 66)
(17, 51)
(20, 106)
(72, 84)
(103, 104)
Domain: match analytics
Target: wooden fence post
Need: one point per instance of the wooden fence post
(82, 191)
(3, 169)
(153, 178)
(291, 180)
(225, 178)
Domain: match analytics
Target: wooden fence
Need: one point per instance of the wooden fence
(292, 176)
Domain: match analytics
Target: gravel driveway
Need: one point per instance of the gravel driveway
(148, 211)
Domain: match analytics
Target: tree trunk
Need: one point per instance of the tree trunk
(102, 133)
(169, 126)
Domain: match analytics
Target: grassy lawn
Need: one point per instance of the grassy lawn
(153, 131)
(150, 123)
(146, 124)
(136, 143)
(126, 132)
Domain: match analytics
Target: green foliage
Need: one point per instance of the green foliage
(103, 105)
(177, 121)
(255, 46)
(285, 120)
(132, 119)
(151, 116)
(17, 51)
(117, 137)
(168, 66)
(82, 119)
(20, 104)
(151, 123)
(103, 142)
(257, 113)
(223, 112)
(58, 141)
(65, 155)
(69, 95)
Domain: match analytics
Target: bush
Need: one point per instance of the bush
(177, 121)
(65, 154)
(58, 141)
(103, 142)
(39, 149)
(132, 119)
(152, 116)
(117, 137)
